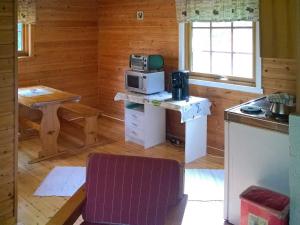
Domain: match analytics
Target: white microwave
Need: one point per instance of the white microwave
(145, 82)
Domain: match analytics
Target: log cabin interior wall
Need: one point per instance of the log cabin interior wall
(65, 55)
(8, 113)
(278, 23)
(121, 34)
(64, 48)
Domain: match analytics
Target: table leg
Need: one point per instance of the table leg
(195, 139)
(49, 131)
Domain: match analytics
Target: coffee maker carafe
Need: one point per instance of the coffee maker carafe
(180, 85)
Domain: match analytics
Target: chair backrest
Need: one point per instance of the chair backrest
(131, 190)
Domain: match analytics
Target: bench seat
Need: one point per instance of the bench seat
(79, 115)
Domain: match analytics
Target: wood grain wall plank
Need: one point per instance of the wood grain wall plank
(121, 34)
(8, 132)
(277, 20)
(65, 48)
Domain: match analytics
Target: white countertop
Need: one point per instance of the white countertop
(193, 108)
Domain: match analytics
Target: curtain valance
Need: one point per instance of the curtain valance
(217, 10)
(27, 11)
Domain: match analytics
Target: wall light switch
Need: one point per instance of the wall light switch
(140, 15)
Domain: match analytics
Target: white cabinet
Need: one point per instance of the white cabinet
(145, 120)
(253, 156)
(145, 124)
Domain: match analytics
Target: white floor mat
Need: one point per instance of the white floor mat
(62, 181)
(204, 184)
(204, 213)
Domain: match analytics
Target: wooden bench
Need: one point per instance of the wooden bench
(29, 122)
(79, 121)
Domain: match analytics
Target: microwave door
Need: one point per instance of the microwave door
(133, 81)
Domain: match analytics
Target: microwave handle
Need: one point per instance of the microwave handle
(125, 84)
(142, 85)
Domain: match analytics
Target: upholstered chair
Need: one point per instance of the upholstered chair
(127, 190)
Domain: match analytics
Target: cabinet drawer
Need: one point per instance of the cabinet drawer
(135, 133)
(134, 123)
(134, 115)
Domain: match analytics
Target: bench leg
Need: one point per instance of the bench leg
(91, 130)
(49, 130)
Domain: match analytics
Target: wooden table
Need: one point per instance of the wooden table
(47, 100)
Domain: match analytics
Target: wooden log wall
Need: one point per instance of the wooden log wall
(65, 56)
(8, 113)
(64, 48)
(120, 34)
(278, 26)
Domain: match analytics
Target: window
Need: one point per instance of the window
(224, 52)
(23, 39)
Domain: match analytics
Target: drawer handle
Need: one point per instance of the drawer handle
(134, 116)
(134, 124)
(133, 132)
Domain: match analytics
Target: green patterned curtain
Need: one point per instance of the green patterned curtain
(217, 10)
(27, 11)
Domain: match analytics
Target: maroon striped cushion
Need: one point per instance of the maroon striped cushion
(130, 190)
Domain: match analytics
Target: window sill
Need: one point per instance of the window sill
(25, 58)
(233, 87)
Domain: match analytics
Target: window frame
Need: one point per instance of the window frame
(212, 80)
(218, 76)
(27, 46)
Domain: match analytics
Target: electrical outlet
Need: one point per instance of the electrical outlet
(140, 15)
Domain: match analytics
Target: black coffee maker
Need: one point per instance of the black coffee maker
(180, 85)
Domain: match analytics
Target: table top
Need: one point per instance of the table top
(38, 96)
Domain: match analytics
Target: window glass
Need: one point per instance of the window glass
(201, 24)
(242, 24)
(221, 63)
(242, 40)
(243, 65)
(221, 24)
(20, 37)
(223, 48)
(221, 40)
(201, 40)
(201, 62)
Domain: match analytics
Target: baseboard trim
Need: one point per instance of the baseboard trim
(210, 150)
(111, 117)
(215, 151)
